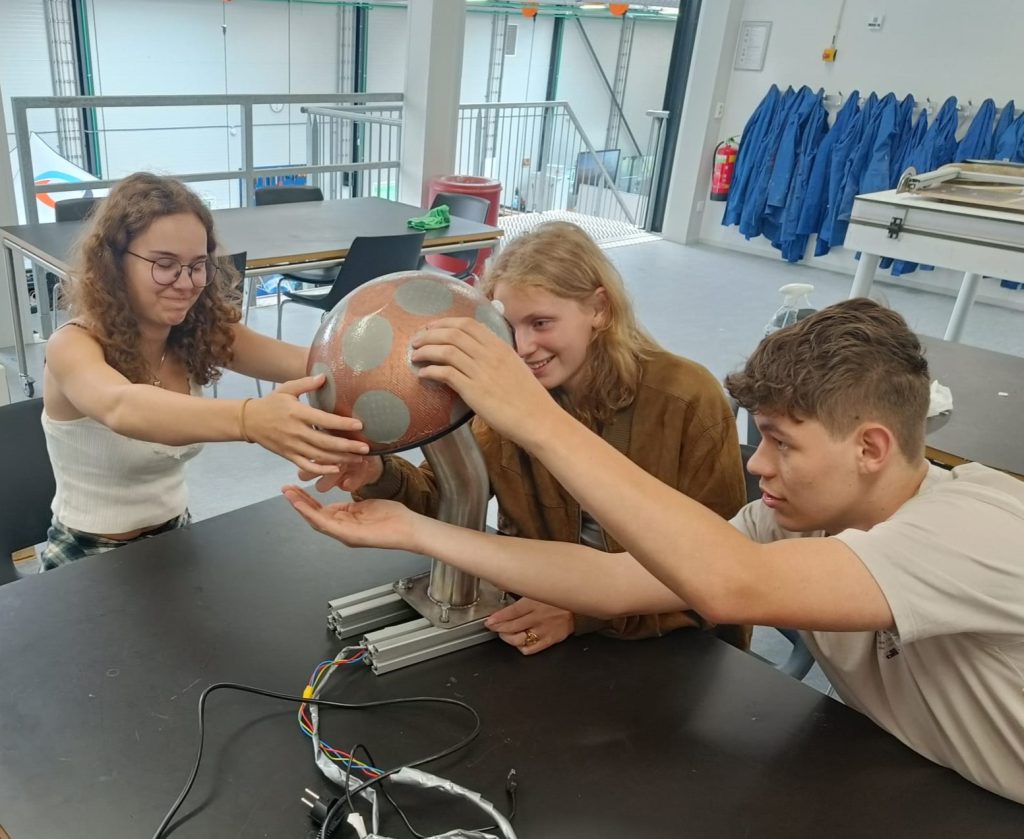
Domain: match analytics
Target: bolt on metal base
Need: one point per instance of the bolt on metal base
(416, 592)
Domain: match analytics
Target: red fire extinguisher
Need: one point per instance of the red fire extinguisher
(725, 164)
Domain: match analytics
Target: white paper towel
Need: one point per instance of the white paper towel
(941, 399)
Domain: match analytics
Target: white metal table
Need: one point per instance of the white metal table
(978, 241)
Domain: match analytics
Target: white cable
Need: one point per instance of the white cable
(357, 823)
(328, 767)
(405, 775)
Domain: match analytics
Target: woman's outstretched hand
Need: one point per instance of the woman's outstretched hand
(373, 523)
(283, 424)
(485, 371)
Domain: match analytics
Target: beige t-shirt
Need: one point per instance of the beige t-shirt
(949, 682)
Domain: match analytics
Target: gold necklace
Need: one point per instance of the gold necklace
(156, 378)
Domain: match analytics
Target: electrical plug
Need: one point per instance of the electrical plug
(318, 809)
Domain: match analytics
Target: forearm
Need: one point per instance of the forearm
(149, 413)
(564, 574)
(404, 482)
(692, 551)
(264, 358)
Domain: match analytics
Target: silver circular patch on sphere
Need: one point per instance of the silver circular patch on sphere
(424, 297)
(366, 343)
(385, 417)
(325, 398)
(490, 317)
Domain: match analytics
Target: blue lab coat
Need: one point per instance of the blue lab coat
(787, 156)
(752, 217)
(793, 243)
(816, 192)
(839, 172)
(977, 142)
(746, 158)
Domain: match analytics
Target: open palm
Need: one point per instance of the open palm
(372, 523)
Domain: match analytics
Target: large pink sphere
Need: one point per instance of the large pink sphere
(364, 347)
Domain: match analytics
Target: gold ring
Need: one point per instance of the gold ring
(531, 638)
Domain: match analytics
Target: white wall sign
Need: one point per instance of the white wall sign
(753, 44)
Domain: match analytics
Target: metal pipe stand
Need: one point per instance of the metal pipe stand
(419, 618)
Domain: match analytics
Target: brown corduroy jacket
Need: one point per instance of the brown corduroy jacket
(679, 429)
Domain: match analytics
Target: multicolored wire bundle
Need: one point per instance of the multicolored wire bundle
(320, 675)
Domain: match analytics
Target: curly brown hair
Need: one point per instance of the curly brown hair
(848, 363)
(98, 294)
(561, 258)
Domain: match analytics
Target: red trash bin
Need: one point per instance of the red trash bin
(485, 188)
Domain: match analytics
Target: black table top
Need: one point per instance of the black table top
(103, 663)
(278, 234)
(984, 425)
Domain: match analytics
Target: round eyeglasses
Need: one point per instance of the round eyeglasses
(166, 270)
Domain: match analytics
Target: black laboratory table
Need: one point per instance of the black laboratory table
(102, 664)
(988, 406)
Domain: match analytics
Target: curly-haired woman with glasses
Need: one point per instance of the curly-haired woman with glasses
(152, 323)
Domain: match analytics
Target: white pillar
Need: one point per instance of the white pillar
(707, 87)
(433, 78)
(8, 216)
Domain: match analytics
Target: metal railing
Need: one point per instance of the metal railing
(365, 139)
(545, 161)
(537, 150)
(248, 173)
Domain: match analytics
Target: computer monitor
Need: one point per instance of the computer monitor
(588, 172)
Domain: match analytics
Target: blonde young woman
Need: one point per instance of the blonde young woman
(122, 387)
(575, 329)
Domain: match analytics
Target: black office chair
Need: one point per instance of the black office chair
(27, 486)
(467, 207)
(368, 258)
(800, 660)
(287, 194)
(75, 209)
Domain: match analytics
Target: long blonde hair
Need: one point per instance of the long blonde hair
(98, 289)
(563, 260)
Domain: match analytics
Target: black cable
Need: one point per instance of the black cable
(332, 812)
(391, 801)
(348, 793)
(345, 706)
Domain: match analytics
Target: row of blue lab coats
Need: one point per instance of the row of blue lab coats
(796, 176)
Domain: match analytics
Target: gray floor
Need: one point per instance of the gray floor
(702, 302)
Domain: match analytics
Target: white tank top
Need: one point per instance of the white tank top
(109, 483)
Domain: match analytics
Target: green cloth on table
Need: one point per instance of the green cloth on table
(435, 219)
